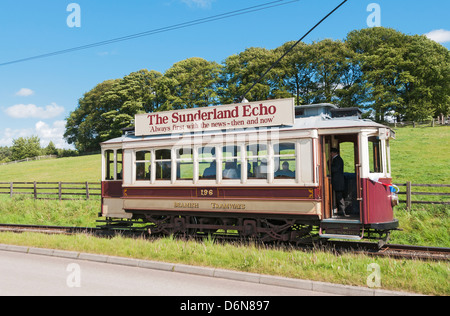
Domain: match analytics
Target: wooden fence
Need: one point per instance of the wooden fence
(409, 194)
(29, 159)
(53, 190)
(86, 190)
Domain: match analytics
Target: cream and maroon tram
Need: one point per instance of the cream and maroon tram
(258, 170)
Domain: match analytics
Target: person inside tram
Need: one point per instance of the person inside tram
(230, 171)
(210, 172)
(285, 172)
(338, 181)
(261, 170)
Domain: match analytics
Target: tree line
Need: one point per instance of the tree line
(382, 71)
(29, 147)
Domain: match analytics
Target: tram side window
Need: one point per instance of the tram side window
(143, 165)
(119, 164)
(375, 163)
(109, 164)
(207, 161)
(163, 163)
(185, 164)
(257, 160)
(231, 163)
(284, 161)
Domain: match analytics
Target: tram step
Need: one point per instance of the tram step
(337, 236)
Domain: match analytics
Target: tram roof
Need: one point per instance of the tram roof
(319, 122)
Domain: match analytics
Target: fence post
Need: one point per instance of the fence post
(408, 195)
(11, 189)
(59, 190)
(35, 191)
(87, 190)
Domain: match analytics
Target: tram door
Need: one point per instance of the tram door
(347, 144)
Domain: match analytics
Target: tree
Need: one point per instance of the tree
(25, 147)
(50, 149)
(5, 154)
(192, 83)
(110, 106)
(406, 75)
(85, 124)
(243, 70)
(297, 73)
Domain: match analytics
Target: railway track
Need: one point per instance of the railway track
(46, 229)
(371, 249)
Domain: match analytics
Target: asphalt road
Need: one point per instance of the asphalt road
(35, 275)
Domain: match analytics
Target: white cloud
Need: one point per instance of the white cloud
(54, 133)
(45, 132)
(8, 134)
(440, 36)
(33, 111)
(204, 4)
(24, 92)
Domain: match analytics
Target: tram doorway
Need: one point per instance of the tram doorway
(348, 147)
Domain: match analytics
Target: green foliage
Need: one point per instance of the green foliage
(25, 147)
(379, 70)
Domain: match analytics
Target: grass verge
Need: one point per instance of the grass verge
(349, 269)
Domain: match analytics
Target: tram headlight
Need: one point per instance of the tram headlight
(394, 199)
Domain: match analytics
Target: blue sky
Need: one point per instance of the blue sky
(37, 96)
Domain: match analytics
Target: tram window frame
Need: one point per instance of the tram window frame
(375, 147)
(182, 162)
(147, 165)
(279, 158)
(207, 160)
(259, 157)
(388, 158)
(110, 165)
(159, 176)
(236, 158)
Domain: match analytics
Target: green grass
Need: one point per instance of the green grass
(27, 211)
(73, 169)
(421, 155)
(350, 269)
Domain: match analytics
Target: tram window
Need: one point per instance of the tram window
(388, 159)
(109, 164)
(185, 164)
(231, 163)
(207, 163)
(375, 163)
(284, 161)
(143, 165)
(257, 160)
(119, 162)
(163, 164)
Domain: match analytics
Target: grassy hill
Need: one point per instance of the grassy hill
(421, 155)
(73, 169)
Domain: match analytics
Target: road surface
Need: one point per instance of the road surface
(28, 274)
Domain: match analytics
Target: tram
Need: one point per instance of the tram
(260, 169)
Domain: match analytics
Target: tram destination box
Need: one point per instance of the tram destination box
(245, 115)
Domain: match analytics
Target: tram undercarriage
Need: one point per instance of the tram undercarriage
(264, 228)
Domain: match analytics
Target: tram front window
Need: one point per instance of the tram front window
(109, 164)
(375, 163)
